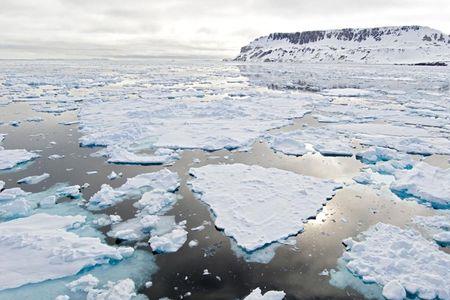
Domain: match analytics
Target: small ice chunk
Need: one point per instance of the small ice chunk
(112, 176)
(55, 156)
(169, 242)
(33, 179)
(148, 284)
(193, 243)
(206, 272)
(91, 172)
(2, 184)
(269, 295)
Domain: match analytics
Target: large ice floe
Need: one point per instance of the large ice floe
(424, 183)
(402, 261)
(257, 206)
(11, 158)
(41, 247)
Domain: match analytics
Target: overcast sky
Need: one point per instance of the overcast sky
(115, 28)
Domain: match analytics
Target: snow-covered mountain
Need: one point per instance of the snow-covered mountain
(378, 45)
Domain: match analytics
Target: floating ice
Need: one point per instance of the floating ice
(88, 286)
(322, 140)
(437, 225)
(134, 187)
(112, 176)
(399, 260)
(55, 156)
(2, 184)
(123, 156)
(12, 158)
(34, 179)
(261, 205)
(426, 183)
(41, 247)
(169, 242)
(269, 295)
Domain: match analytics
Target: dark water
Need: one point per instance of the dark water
(294, 269)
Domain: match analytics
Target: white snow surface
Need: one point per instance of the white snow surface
(88, 287)
(426, 183)
(10, 158)
(41, 247)
(134, 187)
(257, 206)
(399, 259)
(269, 295)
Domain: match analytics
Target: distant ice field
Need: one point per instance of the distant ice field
(208, 179)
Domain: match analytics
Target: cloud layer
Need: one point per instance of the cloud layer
(117, 28)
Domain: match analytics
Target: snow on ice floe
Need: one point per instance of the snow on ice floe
(134, 187)
(424, 183)
(11, 158)
(41, 247)
(161, 156)
(256, 294)
(88, 286)
(33, 179)
(322, 140)
(437, 225)
(399, 260)
(154, 121)
(16, 203)
(261, 205)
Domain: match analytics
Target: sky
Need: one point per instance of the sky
(192, 28)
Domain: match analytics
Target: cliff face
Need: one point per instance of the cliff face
(379, 45)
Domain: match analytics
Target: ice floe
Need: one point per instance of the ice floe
(425, 183)
(13, 157)
(437, 225)
(399, 260)
(269, 295)
(34, 179)
(261, 205)
(134, 187)
(42, 247)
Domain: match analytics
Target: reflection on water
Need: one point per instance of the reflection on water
(294, 269)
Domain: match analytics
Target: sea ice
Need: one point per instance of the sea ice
(261, 205)
(12, 158)
(269, 295)
(42, 247)
(122, 156)
(169, 242)
(134, 187)
(34, 179)
(437, 225)
(426, 183)
(398, 260)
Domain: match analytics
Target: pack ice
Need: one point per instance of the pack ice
(257, 206)
(42, 247)
(400, 260)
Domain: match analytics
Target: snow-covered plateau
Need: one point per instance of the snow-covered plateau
(378, 45)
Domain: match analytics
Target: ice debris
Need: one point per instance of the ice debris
(10, 159)
(269, 295)
(34, 179)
